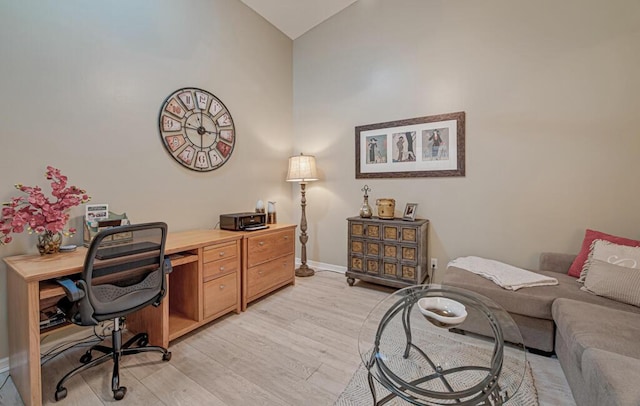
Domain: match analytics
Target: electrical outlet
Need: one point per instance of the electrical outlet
(434, 263)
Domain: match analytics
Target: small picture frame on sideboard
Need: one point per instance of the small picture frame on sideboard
(410, 211)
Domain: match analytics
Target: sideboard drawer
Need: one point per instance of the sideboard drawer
(264, 247)
(220, 294)
(262, 277)
(222, 251)
(217, 268)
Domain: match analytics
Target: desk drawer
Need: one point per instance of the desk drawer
(262, 248)
(216, 252)
(265, 276)
(217, 268)
(220, 294)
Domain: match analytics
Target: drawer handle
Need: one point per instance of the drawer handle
(260, 272)
(261, 243)
(222, 268)
(286, 237)
(222, 253)
(222, 287)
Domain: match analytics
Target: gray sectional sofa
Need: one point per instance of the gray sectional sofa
(596, 339)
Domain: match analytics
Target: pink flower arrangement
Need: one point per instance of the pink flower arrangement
(36, 212)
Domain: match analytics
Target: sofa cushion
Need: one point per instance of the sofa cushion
(532, 302)
(589, 237)
(614, 282)
(584, 325)
(616, 254)
(610, 378)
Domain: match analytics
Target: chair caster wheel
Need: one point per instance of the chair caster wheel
(119, 393)
(61, 394)
(86, 357)
(166, 357)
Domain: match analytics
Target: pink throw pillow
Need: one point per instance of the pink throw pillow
(589, 236)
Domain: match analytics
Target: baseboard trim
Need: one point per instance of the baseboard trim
(321, 266)
(4, 365)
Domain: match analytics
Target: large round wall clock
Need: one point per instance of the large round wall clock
(197, 129)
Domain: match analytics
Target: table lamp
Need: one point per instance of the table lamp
(302, 168)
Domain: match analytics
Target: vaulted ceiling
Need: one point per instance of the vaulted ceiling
(295, 17)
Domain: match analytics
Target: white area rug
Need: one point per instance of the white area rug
(357, 392)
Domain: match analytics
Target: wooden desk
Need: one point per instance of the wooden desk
(204, 285)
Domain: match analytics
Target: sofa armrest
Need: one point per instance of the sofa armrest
(556, 262)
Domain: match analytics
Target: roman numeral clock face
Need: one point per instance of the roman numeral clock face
(197, 129)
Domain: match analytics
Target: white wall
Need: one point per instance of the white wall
(551, 92)
(81, 86)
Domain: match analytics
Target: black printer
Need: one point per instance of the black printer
(243, 221)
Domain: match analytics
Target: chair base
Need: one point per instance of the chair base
(117, 351)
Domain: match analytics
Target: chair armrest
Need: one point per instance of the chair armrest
(71, 289)
(556, 262)
(167, 268)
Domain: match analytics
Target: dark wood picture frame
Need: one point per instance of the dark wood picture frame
(378, 144)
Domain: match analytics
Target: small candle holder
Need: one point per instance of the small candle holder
(259, 207)
(271, 213)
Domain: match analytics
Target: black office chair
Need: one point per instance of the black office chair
(124, 271)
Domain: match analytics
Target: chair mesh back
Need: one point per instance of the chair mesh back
(123, 269)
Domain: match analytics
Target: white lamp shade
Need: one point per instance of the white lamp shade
(302, 168)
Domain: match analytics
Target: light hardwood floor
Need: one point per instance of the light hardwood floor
(296, 347)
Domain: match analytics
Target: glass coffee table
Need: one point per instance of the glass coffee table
(421, 360)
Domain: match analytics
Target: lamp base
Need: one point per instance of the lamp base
(304, 271)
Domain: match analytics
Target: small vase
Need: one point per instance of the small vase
(271, 213)
(49, 242)
(365, 210)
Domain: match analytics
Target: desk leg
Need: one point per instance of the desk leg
(24, 337)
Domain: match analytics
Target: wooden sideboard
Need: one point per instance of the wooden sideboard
(268, 262)
(209, 279)
(387, 252)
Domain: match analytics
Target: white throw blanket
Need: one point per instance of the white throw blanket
(504, 275)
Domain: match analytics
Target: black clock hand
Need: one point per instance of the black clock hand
(206, 131)
(198, 129)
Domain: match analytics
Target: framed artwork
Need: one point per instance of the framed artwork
(417, 147)
(410, 211)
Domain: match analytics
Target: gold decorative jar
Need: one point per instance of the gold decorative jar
(386, 208)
